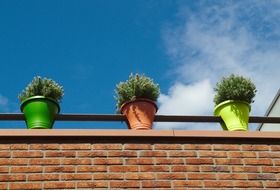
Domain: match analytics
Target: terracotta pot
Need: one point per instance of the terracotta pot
(140, 113)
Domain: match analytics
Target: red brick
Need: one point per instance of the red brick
(144, 168)
(13, 177)
(26, 169)
(261, 177)
(4, 169)
(242, 154)
(19, 147)
(43, 161)
(156, 184)
(124, 184)
(59, 169)
(13, 161)
(92, 154)
(216, 184)
(246, 184)
(270, 169)
(76, 146)
(5, 154)
(213, 154)
(271, 184)
(171, 176)
(27, 154)
(138, 147)
(139, 176)
(4, 186)
(261, 161)
(226, 147)
(153, 153)
(231, 161)
(5, 147)
(59, 185)
(171, 161)
(185, 168)
(108, 176)
(107, 146)
(255, 147)
(123, 168)
(276, 162)
(197, 147)
(44, 146)
(74, 161)
(26, 186)
(275, 147)
(108, 161)
(139, 161)
(215, 169)
(232, 176)
(188, 183)
(201, 176)
(182, 154)
(199, 161)
(96, 184)
(249, 169)
(168, 147)
(60, 154)
(269, 154)
(124, 154)
(43, 177)
(71, 177)
(92, 168)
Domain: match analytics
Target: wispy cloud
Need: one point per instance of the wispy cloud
(219, 38)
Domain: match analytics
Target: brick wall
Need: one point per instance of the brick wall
(115, 161)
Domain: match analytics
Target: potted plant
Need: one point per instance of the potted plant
(136, 99)
(40, 102)
(234, 94)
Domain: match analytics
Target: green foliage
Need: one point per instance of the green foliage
(235, 88)
(42, 87)
(137, 86)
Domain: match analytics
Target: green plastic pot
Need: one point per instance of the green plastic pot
(39, 112)
(235, 115)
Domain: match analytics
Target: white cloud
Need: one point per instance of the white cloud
(218, 39)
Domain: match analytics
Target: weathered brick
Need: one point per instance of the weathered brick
(98, 168)
(169, 161)
(108, 161)
(59, 185)
(71, 177)
(95, 184)
(255, 147)
(156, 184)
(168, 147)
(26, 169)
(60, 154)
(259, 162)
(232, 176)
(43, 177)
(270, 169)
(269, 154)
(212, 154)
(197, 147)
(249, 169)
(19, 147)
(12, 177)
(201, 176)
(5, 154)
(149, 168)
(123, 168)
(44, 161)
(139, 176)
(138, 147)
(261, 177)
(92, 154)
(186, 168)
(226, 147)
(27, 154)
(271, 184)
(75, 161)
(245, 154)
(247, 184)
(218, 183)
(214, 168)
(76, 146)
(108, 176)
(199, 161)
(44, 146)
(139, 161)
(59, 169)
(187, 184)
(124, 184)
(171, 176)
(182, 154)
(153, 153)
(122, 154)
(25, 186)
(228, 161)
(107, 146)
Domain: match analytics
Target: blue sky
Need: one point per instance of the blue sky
(185, 46)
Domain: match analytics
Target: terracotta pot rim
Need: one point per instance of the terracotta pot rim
(138, 100)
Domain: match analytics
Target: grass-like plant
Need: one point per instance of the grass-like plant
(137, 86)
(235, 87)
(42, 87)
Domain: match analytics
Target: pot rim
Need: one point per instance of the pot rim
(228, 102)
(38, 97)
(138, 100)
